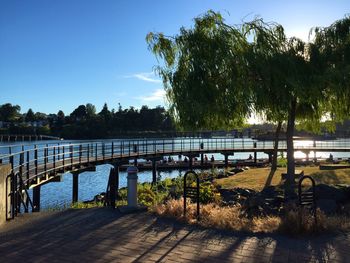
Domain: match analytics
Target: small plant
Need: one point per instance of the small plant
(208, 193)
(146, 196)
(281, 162)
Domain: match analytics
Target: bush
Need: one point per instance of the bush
(208, 193)
(281, 162)
(146, 196)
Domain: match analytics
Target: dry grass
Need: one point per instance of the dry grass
(228, 218)
(255, 178)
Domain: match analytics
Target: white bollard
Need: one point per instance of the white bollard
(132, 186)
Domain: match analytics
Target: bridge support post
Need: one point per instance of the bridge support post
(307, 155)
(226, 155)
(154, 171)
(190, 162)
(132, 186)
(36, 198)
(75, 189)
(202, 160)
(226, 160)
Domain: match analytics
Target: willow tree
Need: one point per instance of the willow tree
(330, 51)
(204, 74)
(290, 94)
(266, 76)
(216, 75)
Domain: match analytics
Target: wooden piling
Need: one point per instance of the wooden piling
(36, 198)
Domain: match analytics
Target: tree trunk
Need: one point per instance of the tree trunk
(289, 183)
(274, 156)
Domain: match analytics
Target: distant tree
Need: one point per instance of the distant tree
(9, 112)
(90, 110)
(60, 115)
(79, 113)
(39, 116)
(29, 116)
(105, 113)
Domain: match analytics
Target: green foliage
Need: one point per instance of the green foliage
(216, 75)
(84, 123)
(208, 193)
(204, 73)
(9, 112)
(281, 162)
(30, 116)
(146, 196)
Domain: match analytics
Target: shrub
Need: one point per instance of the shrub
(281, 162)
(146, 196)
(208, 193)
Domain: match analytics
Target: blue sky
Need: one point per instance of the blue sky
(60, 54)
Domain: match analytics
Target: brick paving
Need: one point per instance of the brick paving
(104, 235)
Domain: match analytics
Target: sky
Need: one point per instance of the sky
(56, 55)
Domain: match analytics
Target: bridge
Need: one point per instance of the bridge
(30, 166)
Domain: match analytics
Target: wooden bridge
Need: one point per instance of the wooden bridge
(30, 166)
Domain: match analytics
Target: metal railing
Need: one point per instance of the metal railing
(32, 161)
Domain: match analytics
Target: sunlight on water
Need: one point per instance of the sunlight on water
(302, 144)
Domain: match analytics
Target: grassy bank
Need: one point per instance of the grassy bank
(255, 178)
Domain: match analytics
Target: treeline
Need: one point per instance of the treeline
(85, 123)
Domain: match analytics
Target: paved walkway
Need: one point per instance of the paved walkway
(103, 235)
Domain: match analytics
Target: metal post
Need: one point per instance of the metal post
(36, 159)
(96, 152)
(45, 159)
(27, 169)
(54, 157)
(80, 153)
(58, 152)
(103, 151)
(63, 157)
(71, 156)
(88, 153)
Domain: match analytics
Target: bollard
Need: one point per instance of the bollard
(132, 186)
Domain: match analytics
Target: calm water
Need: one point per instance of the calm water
(93, 183)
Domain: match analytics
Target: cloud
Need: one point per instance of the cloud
(157, 95)
(146, 76)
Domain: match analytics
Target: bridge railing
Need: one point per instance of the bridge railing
(32, 161)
